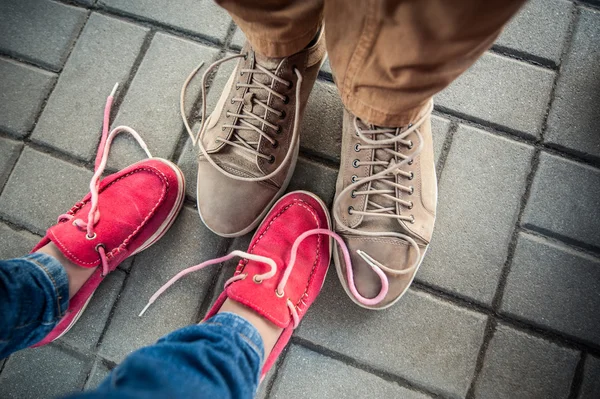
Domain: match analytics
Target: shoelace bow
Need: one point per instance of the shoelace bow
(273, 270)
(99, 166)
(244, 118)
(387, 177)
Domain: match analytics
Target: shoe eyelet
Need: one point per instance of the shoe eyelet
(354, 178)
(411, 161)
(355, 163)
(246, 57)
(237, 86)
(98, 246)
(412, 190)
(412, 221)
(410, 144)
(282, 116)
(275, 144)
(256, 280)
(357, 147)
(278, 294)
(272, 159)
(232, 101)
(90, 238)
(350, 209)
(412, 176)
(241, 73)
(278, 130)
(290, 85)
(286, 100)
(74, 223)
(353, 194)
(411, 205)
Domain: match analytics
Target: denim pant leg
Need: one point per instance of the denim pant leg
(220, 358)
(34, 296)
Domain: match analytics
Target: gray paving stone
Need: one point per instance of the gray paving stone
(540, 288)
(439, 129)
(518, 365)
(316, 178)
(238, 39)
(573, 120)
(97, 375)
(86, 333)
(104, 54)
(503, 91)
(422, 338)
(590, 388)
(40, 31)
(48, 371)
(14, 244)
(318, 135)
(479, 198)
(201, 17)
(326, 67)
(152, 268)
(539, 29)
(564, 200)
(331, 378)
(151, 105)
(23, 89)
(31, 198)
(9, 153)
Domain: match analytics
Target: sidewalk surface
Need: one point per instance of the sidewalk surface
(506, 304)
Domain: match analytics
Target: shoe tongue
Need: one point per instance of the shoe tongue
(240, 159)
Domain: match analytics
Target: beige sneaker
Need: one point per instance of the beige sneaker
(249, 144)
(384, 207)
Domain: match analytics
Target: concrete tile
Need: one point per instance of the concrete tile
(518, 365)
(440, 127)
(97, 375)
(542, 284)
(23, 90)
(326, 67)
(573, 120)
(188, 163)
(330, 378)
(539, 29)
(318, 135)
(238, 39)
(31, 198)
(39, 31)
(316, 178)
(590, 388)
(422, 339)
(104, 54)
(564, 200)
(86, 333)
(479, 199)
(14, 244)
(151, 105)
(48, 371)
(505, 92)
(201, 17)
(152, 268)
(9, 153)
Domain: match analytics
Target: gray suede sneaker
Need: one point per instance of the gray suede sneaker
(248, 146)
(384, 208)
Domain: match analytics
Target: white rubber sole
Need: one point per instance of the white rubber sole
(262, 215)
(162, 230)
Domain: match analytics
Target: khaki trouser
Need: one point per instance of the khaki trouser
(389, 57)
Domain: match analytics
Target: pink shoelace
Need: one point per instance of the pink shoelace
(99, 166)
(288, 270)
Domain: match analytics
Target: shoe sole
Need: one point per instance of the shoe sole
(162, 230)
(260, 217)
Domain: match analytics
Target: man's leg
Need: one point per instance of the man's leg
(388, 59)
(249, 144)
(276, 28)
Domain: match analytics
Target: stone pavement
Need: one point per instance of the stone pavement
(506, 303)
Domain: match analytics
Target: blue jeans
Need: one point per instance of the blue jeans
(219, 358)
